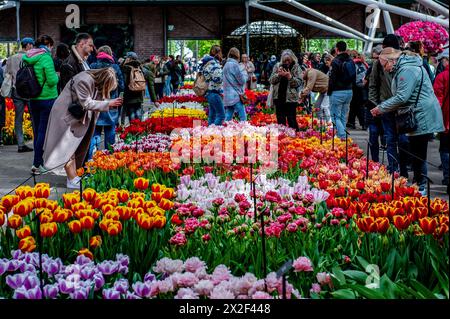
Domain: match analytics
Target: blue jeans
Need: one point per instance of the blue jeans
(134, 111)
(396, 145)
(40, 113)
(444, 152)
(216, 110)
(374, 132)
(19, 106)
(110, 138)
(339, 107)
(239, 109)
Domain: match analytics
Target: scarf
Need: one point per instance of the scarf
(105, 56)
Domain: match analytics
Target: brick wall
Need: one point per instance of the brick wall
(188, 21)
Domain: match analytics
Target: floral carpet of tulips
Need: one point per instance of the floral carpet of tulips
(149, 226)
(9, 137)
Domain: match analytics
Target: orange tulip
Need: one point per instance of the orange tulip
(124, 212)
(80, 171)
(2, 209)
(89, 194)
(441, 231)
(112, 214)
(145, 221)
(49, 229)
(75, 226)
(165, 204)
(25, 191)
(23, 232)
(382, 224)
(61, 215)
(14, 221)
(70, 199)
(114, 228)
(437, 207)
(419, 212)
(159, 222)
(123, 196)
(104, 224)
(401, 222)
(86, 252)
(80, 206)
(24, 207)
(2, 218)
(52, 204)
(156, 211)
(99, 202)
(27, 244)
(428, 225)
(141, 183)
(9, 201)
(87, 222)
(95, 241)
(42, 192)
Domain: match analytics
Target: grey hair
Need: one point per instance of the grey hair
(377, 49)
(290, 54)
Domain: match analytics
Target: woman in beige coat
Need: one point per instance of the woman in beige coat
(67, 139)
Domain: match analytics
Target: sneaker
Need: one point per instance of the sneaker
(38, 170)
(24, 149)
(74, 183)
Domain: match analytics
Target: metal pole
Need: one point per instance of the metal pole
(18, 22)
(247, 27)
(305, 21)
(325, 18)
(165, 29)
(387, 20)
(372, 30)
(402, 11)
(434, 6)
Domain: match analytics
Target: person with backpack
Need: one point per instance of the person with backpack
(76, 62)
(342, 77)
(213, 75)
(134, 87)
(41, 105)
(234, 79)
(9, 90)
(107, 121)
(69, 133)
(360, 93)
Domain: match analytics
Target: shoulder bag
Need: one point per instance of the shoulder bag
(406, 122)
(75, 108)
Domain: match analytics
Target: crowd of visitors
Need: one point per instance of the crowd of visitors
(395, 93)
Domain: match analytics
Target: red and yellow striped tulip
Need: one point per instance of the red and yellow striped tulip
(141, 183)
(75, 226)
(86, 252)
(23, 232)
(49, 229)
(27, 244)
(428, 225)
(95, 241)
(401, 222)
(14, 221)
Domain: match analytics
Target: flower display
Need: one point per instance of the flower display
(433, 35)
(9, 137)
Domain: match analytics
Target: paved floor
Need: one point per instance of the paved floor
(15, 167)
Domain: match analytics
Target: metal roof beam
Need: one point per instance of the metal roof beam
(436, 7)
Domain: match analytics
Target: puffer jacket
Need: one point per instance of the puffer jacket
(44, 69)
(408, 74)
(294, 84)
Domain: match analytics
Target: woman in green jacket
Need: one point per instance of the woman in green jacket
(40, 107)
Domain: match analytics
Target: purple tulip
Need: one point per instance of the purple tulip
(31, 282)
(108, 267)
(13, 265)
(50, 267)
(22, 293)
(122, 270)
(99, 281)
(123, 260)
(72, 269)
(16, 281)
(80, 293)
(121, 286)
(70, 284)
(87, 272)
(142, 289)
(51, 291)
(3, 267)
(81, 260)
(132, 295)
(185, 180)
(17, 254)
(149, 277)
(111, 293)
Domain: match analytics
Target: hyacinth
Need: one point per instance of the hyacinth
(182, 280)
(433, 35)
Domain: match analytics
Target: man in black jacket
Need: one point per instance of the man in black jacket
(76, 62)
(342, 77)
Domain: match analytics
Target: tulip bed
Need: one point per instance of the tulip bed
(9, 137)
(150, 226)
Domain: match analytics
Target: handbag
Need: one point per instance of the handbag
(75, 109)
(405, 121)
(242, 97)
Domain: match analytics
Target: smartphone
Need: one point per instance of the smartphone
(121, 95)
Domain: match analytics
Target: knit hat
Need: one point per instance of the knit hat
(26, 41)
(132, 55)
(391, 41)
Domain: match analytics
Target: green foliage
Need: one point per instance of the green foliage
(322, 45)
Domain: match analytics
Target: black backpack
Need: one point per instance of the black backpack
(27, 84)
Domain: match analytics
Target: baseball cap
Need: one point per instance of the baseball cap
(26, 41)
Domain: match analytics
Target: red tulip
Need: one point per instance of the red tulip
(401, 222)
(75, 226)
(141, 183)
(428, 225)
